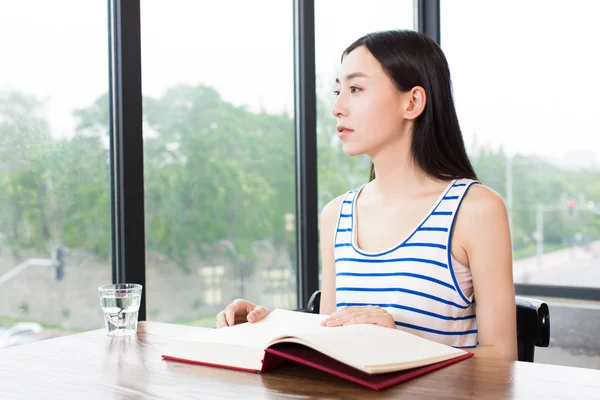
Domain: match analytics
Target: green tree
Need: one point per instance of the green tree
(54, 190)
(213, 172)
(24, 136)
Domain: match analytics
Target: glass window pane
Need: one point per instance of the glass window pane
(54, 180)
(219, 156)
(527, 99)
(338, 23)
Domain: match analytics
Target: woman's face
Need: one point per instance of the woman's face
(369, 108)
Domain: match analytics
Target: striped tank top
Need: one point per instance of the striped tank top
(414, 281)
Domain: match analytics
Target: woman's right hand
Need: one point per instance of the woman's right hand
(240, 311)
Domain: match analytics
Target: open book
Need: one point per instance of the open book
(370, 355)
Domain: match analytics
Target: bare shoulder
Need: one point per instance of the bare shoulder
(330, 213)
(480, 201)
(482, 218)
(481, 224)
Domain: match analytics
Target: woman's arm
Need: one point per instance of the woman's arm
(327, 228)
(483, 232)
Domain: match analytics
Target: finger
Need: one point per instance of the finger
(230, 312)
(329, 318)
(343, 319)
(345, 311)
(257, 314)
(243, 307)
(385, 320)
(350, 310)
(221, 323)
(333, 317)
(353, 310)
(361, 319)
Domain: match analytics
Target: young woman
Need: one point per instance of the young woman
(423, 246)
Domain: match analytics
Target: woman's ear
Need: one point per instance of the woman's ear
(416, 101)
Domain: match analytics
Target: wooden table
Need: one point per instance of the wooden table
(92, 365)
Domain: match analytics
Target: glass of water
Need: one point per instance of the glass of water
(121, 303)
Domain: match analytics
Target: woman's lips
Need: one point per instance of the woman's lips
(344, 132)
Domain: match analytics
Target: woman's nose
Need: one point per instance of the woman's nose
(338, 108)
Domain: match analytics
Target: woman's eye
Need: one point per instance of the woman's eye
(353, 89)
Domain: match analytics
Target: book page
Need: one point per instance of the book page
(258, 335)
(369, 348)
(375, 349)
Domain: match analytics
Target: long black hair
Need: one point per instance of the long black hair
(413, 59)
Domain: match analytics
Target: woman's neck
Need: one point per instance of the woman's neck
(397, 176)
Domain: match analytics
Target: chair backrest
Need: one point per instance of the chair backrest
(533, 326)
(314, 303)
(533, 323)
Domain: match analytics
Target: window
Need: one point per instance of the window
(526, 94)
(219, 156)
(211, 278)
(54, 166)
(337, 24)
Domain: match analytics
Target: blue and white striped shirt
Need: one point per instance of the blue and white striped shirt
(414, 281)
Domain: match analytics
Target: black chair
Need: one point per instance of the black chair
(533, 323)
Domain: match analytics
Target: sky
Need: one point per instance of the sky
(524, 72)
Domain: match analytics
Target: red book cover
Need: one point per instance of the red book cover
(312, 358)
(286, 353)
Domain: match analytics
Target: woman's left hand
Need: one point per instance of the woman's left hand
(360, 315)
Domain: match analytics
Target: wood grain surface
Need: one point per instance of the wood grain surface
(93, 365)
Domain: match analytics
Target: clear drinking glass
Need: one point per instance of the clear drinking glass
(121, 303)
